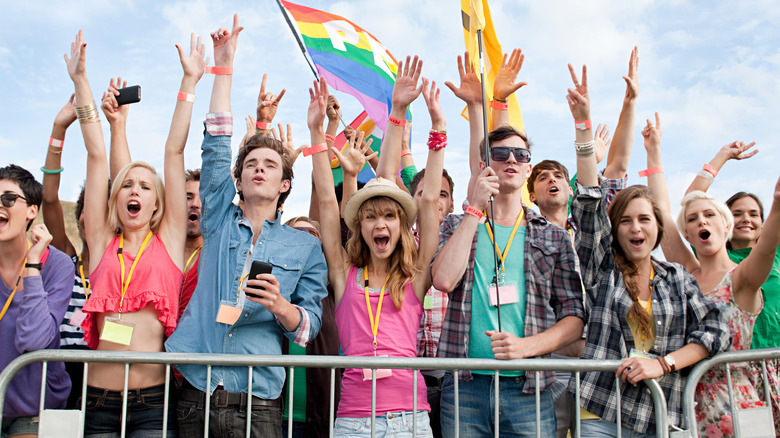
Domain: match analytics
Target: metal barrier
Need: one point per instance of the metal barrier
(689, 392)
(291, 361)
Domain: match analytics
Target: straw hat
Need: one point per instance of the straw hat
(380, 187)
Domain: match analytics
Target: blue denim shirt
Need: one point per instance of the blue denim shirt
(297, 262)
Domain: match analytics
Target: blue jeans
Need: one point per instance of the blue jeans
(228, 421)
(19, 426)
(603, 428)
(517, 411)
(390, 425)
(144, 413)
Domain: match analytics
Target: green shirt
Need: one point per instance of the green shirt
(299, 392)
(766, 331)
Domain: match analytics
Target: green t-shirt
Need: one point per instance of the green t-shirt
(484, 316)
(766, 331)
(299, 392)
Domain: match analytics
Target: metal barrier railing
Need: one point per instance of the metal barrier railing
(333, 362)
(729, 357)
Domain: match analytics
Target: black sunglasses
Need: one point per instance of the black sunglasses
(9, 199)
(501, 153)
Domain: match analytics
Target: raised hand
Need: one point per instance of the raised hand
(267, 103)
(632, 80)
(652, 135)
(431, 96)
(225, 42)
(470, 90)
(250, 130)
(113, 111)
(578, 99)
(504, 84)
(194, 64)
(738, 150)
(405, 90)
(334, 109)
(67, 114)
(485, 187)
(601, 137)
(77, 62)
(39, 240)
(287, 142)
(357, 154)
(317, 104)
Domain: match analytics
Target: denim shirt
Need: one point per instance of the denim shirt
(298, 265)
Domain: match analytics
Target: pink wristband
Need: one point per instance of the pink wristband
(708, 167)
(396, 121)
(330, 138)
(583, 125)
(406, 152)
(474, 211)
(186, 97)
(219, 70)
(315, 149)
(651, 171)
(263, 125)
(54, 142)
(497, 105)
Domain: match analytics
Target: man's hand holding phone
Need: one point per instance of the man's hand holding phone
(263, 288)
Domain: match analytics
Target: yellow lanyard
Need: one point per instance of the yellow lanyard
(125, 284)
(374, 322)
(192, 256)
(84, 284)
(13, 292)
(649, 305)
(501, 256)
(571, 236)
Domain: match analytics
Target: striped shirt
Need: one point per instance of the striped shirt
(73, 336)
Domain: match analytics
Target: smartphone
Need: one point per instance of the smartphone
(258, 268)
(129, 95)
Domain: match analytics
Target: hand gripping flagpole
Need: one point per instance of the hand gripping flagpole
(490, 219)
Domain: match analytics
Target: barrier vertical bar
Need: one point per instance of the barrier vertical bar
(207, 407)
(733, 407)
(373, 402)
(84, 395)
(497, 402)
(290, 390)
(44, 370)
(332, 401)
(538, 406)
(249, 404)
(166, 400)
(123, 431)
(619, 408)
(577, 419)
(455, 379)
(414, 403)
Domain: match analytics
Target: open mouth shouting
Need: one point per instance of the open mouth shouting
(381, 241)
(704, 235)
(636, 242)
(3, 219)
(193, 216)
(133, 208)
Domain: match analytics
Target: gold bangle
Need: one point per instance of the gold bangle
(88, 113)
(495, 99)
(55, 152)
(439, 131)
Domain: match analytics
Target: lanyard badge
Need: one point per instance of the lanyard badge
(367, 372)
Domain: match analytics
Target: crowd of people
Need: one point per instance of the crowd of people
(203, 263)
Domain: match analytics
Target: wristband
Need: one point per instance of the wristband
(585, 149)
(706, 175)
(332, 139)
(406, 152)
(474, 211)
(219, 70)
(499, 105)
(651, 171)
(583, 125)
(37, 266)
(185, 97)
(711, 170)
(495, 99)
(52, 172)
(437, 141)
(263, 125)
(315, 149)
(56, 151)
(396, 121)
(56, 143)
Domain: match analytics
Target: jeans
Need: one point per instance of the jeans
(19, 426)
(602, 428)
(517, 411)
(390, 425)
(144, 413)
(229, 421)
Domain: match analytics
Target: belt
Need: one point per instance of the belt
(223, 399)
(433, 382)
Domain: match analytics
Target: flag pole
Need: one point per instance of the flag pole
(302, 47)
(490, 218)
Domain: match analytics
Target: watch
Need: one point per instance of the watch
(670, 361)
(37, 266)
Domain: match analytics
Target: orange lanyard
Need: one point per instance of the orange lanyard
(501, 256)
(84, 284)
(192, 256)
(16, 286)
(125, 284)
(374, 322)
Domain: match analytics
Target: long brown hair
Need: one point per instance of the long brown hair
(626, 267)
(401, 265)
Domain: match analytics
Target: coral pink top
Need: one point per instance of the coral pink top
(156, 279)
(396, 337)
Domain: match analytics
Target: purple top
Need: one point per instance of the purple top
(32, 323)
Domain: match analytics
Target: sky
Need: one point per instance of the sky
(709, 68)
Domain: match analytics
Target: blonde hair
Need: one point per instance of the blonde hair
(401, 265)
(159, 188)
(720, 207)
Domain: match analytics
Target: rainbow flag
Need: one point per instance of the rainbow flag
(349, 58)
(370, 131)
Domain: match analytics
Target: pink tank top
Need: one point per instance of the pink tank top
(397, 337)
(156, 279)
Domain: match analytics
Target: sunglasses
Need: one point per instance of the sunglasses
(9, 199)
(310, 230)
(501, 153)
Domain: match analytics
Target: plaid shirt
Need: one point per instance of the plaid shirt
(550, 281)
(431, 323)
(682, 316)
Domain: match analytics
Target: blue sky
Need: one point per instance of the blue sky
(709, 68)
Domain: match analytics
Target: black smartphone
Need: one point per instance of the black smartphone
(129, 95)
(258, 268)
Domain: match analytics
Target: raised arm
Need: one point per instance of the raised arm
(408, 169)
(405, 91)
(352, 160)
(620, 151)
(267, 105)
(96, 190)
(330, 217)
(119, 152)
(334, 116)
(171, 230)
(579, 105)
(504, 86)
(225, 43)
(736, 150)
(53, 217)
(470, 91)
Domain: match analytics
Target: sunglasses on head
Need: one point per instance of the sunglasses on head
(9, 199)
(501, 153)
(310, 230)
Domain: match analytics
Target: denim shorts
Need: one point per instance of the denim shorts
(392, 424)
(144, 413)
(19, 426)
